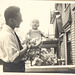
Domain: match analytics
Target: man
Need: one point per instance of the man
(11, 51)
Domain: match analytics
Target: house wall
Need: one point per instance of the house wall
(67, 12)
(69, 27)
(73, 34)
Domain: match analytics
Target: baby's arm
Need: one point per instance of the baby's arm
(43, 35)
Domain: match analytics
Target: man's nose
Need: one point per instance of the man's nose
(21, 20)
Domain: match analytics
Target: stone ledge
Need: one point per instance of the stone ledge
(51, 69)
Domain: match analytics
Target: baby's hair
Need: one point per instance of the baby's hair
(35, 20)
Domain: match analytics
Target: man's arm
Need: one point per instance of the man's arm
(18, 57)
(12, 51)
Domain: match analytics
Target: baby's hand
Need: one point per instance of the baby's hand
(33, 42)
(27, 40)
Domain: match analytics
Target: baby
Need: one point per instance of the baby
(35, 35)
(34, 38)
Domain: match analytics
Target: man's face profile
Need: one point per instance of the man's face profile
(18, 20)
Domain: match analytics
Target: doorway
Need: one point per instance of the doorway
(69, 61)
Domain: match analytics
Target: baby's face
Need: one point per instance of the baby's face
(35, 24)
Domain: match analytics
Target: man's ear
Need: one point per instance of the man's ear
(10, 20)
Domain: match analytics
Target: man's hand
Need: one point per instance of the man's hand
(21, 54)
(24, 50)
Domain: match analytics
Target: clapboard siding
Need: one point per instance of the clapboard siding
(72, 30)
(73, 36)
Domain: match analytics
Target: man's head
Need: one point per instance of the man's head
(35, 24)
(13, 16)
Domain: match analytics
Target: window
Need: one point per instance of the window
(66, 6)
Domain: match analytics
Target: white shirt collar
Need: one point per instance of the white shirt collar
(8, 28)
